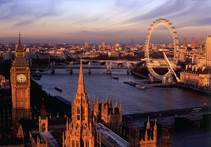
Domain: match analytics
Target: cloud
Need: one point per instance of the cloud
(24, 23)
(26, 12)
(168, 8)
(127, 4)
(174, 9)
(117, 16)
(204, 21)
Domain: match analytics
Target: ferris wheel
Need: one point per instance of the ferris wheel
(167, 24)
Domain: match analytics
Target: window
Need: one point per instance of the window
(73, 143)
(77, 144)
(83, 113)
(87, 143)
(43, 127)
(78, 113)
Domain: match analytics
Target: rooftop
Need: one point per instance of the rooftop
(111, 136)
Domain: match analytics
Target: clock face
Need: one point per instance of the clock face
(21, 78)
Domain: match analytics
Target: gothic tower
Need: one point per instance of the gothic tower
(20, 84)
(149, 138)
(80, 131)
(43, 119)
(112, 115)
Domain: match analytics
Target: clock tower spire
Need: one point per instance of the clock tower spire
(20, 83)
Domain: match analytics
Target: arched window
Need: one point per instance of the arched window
(78, 113)
(43, 127)
(87, 143)
(73, 143)
(77, 144)
(83, 113)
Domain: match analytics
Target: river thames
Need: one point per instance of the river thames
(134, 100)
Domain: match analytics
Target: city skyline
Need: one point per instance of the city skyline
(94, 21)
(105, 73)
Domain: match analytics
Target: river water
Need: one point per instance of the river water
(99, 85)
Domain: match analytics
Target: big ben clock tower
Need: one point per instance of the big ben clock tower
(20, 84)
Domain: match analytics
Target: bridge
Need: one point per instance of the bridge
(127, 64)
(112, 61)
(108, 66)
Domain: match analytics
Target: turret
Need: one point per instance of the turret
(155, 130)
(20, 133)
(43, 118)
(148, 124)
(149, 137)
(110, 102)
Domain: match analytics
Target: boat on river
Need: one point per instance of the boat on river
(58, 89)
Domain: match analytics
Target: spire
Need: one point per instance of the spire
(111, 102)
(120, 106)
(116, 105)
(155, 130)
(19, 38)
(67, 124)
(20, 133)
(107, 100)
(81, 92)
(146, 135)
(155, 126)
(148, 124)
(19, 45)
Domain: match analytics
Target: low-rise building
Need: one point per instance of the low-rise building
(195, 76)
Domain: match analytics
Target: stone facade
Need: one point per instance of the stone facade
(108, 114)
(195, 76)
(79, 131)
(20, 87)
(149, 138)
(20, 79)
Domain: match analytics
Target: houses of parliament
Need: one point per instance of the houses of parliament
(91, 124)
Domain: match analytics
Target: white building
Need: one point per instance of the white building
(208, 57)
(208, 51)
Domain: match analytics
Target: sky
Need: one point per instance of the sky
(101, 20)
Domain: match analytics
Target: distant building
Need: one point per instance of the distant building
(199, 76)
(4, 83)
(208, 57)
(184, 42)
(193, 43)
(208, 51)
(195, 76)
